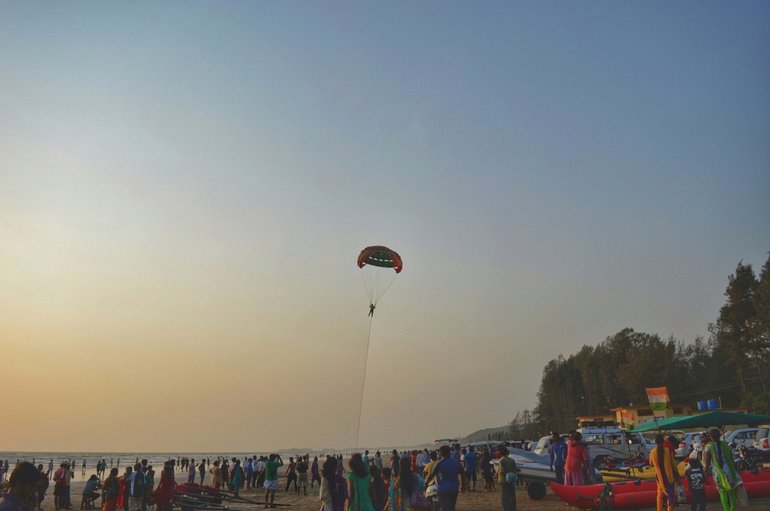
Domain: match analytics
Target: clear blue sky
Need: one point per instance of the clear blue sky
(184, 187)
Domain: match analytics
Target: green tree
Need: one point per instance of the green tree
(760, 331)
(732, 332)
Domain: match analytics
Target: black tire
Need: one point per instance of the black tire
(535, 490)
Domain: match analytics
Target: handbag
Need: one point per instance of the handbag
(741, 495)
(418, 500)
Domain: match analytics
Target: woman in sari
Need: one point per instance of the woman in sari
(164, 495)
(125, 489)
(577, 463)
(718, 457)
(666, 473)
(404, 486)
(111, 488)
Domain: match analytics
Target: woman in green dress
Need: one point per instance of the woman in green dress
(718, 457)
(359, 498)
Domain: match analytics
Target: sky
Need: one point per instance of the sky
(185, 187)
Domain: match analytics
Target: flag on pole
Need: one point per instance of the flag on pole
(658, 397)
(627, 418)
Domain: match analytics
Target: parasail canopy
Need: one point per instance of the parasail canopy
(379, 266)
(380, 256)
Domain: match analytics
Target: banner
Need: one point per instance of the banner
(658, 397)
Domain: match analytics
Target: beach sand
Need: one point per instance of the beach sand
(472, 501)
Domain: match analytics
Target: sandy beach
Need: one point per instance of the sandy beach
(478, 500)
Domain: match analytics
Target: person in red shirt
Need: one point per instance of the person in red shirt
(577, 460)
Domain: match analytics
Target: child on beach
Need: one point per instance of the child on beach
(696, 478)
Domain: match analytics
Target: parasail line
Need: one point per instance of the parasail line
(363, 381)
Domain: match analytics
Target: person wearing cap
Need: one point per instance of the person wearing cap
(22, 486)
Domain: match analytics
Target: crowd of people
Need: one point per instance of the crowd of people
(397, 481)
(413, 480)
(713, 455)
(135, 490)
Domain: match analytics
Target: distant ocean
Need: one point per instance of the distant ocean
(123, 459)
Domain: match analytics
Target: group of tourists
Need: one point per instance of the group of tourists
(713, 456)
(133, 491)
(405, 481)
(413, 480)
(571, 462)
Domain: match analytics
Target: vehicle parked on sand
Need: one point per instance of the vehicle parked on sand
(762, 439)
(613, 443)
(541, 448)
(741, 436)
(534, 471)
(605, 443)
(689, 439)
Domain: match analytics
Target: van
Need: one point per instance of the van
(603, 443)
(614, 443)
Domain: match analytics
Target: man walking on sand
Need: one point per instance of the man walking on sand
(507, 481)
(445, 472)
(271, 478)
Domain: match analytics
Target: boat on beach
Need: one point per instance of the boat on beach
(642, 493)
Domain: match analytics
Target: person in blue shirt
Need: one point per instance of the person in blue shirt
(470, 468)
(558, 454)
(446, 471)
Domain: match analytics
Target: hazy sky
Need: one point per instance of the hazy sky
(185, 186)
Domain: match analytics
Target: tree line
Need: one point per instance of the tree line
(732, 364)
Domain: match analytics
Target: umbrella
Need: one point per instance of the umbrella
(706, 420)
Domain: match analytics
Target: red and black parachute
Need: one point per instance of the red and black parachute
(379, 266)
(380, 256)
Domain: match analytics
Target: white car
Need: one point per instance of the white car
(683, 449)
(762, 439)
(742, 436)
